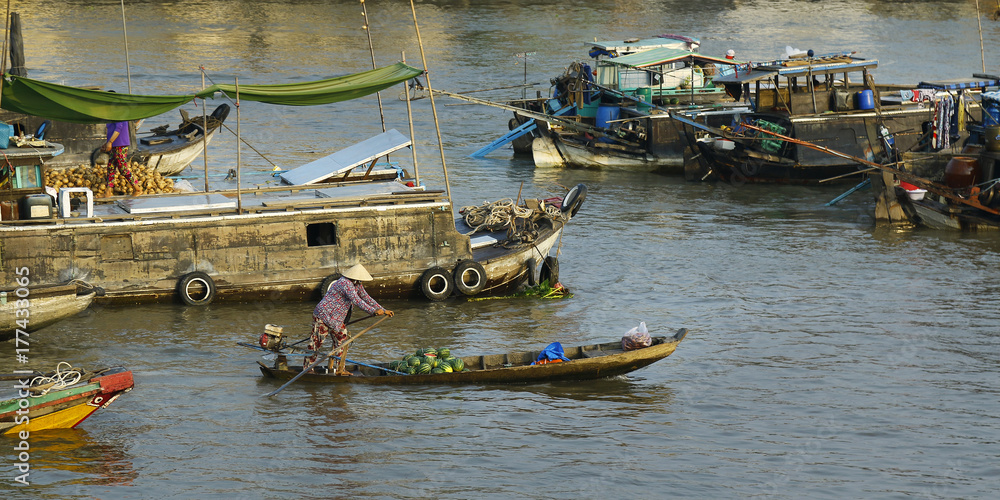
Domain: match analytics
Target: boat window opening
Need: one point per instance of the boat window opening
(321, 234)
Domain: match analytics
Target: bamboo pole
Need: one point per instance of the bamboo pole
(430, 92)
(6, 36)
(239, 194)
(204, 123)
(371, 50)
(409, 116)
(979, 19)
(128, 71)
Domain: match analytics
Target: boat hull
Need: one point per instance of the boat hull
(45, 305)
(174, 160)
(277, 249)
(586, 362)
(63, 408)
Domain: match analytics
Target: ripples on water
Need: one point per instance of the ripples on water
(826, 358)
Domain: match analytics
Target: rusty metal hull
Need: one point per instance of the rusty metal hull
(586, 362)
(280, 248)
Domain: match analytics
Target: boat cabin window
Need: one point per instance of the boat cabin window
(321, 234)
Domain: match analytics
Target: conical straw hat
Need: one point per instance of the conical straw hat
(358, 272)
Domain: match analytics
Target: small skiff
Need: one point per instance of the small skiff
(590, 361)
(34, 307)
(59, 400)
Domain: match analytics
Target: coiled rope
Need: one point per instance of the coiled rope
(495, 216)
(60, 380)
(505, 215)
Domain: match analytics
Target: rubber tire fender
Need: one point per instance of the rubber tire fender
(221, 112)
(196, 278)
(532, 272)
(436, 284)
(327, 282)
(474, 270)
(574, 200)
(550, 271)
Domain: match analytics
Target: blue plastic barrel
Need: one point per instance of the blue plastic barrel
(866, 100)
(991, 114)
(606, 114)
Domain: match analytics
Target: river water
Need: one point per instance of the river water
(826, 358)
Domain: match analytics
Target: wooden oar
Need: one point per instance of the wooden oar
(345, 324)
(324, 358)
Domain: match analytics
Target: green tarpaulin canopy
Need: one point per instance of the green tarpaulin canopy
(72, 104)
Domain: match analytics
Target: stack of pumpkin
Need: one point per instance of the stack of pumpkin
(96, 178)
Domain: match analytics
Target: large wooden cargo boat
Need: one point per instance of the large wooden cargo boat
(277, 243)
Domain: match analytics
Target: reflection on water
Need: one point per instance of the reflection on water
(67, 460)
(825, 359)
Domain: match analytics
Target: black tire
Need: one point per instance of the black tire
(574, 200)
(532, 272)
(327, 282)
(550, 271)
(436, 284)
(95, 155)
(196, 289)
(470, 277)
(221, 112)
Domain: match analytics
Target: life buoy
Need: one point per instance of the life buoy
(470, 277)
(574, 200)
(550, 271)
(221, 112)
(532, 272)
(196, 289)
(327, 282)
(436, 284)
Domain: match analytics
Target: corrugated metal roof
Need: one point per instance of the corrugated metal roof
(656, 57)
(799, 69)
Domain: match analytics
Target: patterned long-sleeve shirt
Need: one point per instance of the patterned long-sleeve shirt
(338, 300)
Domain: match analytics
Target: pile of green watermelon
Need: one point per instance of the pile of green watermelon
(429, 360)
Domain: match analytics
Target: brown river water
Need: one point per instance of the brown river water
(826, 358)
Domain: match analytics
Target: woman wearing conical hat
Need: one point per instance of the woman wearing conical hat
(332, 310)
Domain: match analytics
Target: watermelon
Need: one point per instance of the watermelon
(443, 352)
(431, 360)
(424, 368)
(437, 370)
(407, 357)
(457, 364)
(450, 358)
(446, 367)
(431, 351)
(411, 370)
(394, 365)
(420, 352)
(413, 361)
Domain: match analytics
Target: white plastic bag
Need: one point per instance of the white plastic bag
(637, 338)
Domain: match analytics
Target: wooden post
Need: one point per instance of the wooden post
(430, 93)
(17, 67)
(204, 123)
(239, 194)
(409, 116)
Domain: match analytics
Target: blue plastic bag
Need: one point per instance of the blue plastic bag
(551, 352)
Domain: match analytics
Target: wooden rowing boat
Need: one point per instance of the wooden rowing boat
(586, 362)
(31, 308)
(51, 407)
